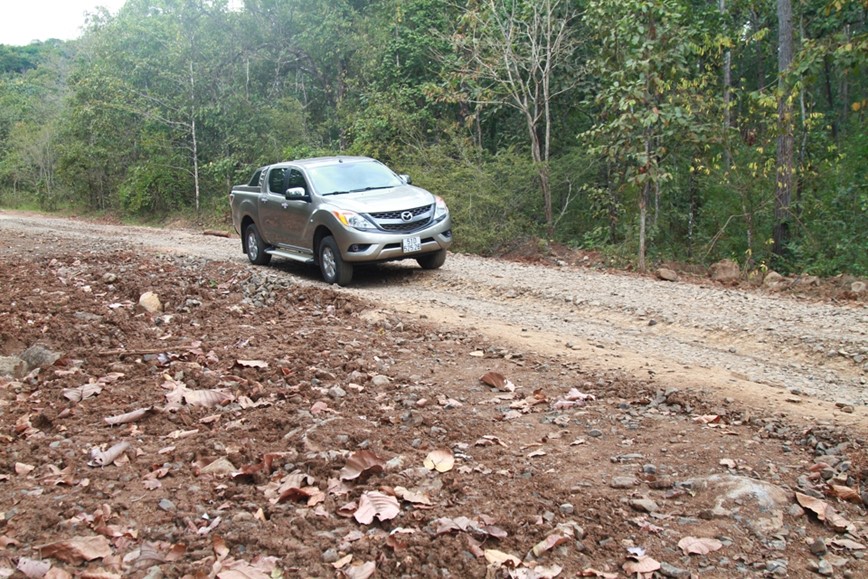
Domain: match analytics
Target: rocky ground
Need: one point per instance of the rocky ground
(167, 410)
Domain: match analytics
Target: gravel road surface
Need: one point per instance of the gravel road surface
(806, 358)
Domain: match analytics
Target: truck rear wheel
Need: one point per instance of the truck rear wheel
(432, 260)
(333, 267)
(255, 246)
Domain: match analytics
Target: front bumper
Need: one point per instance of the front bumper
(366, 246)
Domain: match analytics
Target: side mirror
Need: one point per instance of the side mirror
(295, 194)
(406, 179)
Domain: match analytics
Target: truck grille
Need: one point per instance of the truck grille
(394, 220)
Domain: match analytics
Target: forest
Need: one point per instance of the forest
(648, 130)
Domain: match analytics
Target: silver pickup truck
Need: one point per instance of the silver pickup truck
(336, 212)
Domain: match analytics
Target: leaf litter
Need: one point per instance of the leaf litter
(312, 479)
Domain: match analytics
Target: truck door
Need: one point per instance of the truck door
(296, 213)
(271, 202)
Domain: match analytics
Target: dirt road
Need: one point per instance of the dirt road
(804, 358)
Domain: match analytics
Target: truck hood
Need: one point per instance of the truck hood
(380, 200)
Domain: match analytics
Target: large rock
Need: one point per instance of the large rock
(725, 271)
(858, 287)
(758, 504)
(38, 356)
(667, 274)
(774, 280)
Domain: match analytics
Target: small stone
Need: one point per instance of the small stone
(109, 277)
(825, 568)
(649, 469)
(167, 505)
(567, 509)
(858, 287)
(644, 505)
(380, 380)
(595, 433)
(818, 547)
(150, 302)
(672, 571)
(777, 568)
(337, 392)
(624, 482)
(330, 555)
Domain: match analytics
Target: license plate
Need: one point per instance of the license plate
(412, 244)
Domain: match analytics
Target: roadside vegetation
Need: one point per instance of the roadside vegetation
(650, 130)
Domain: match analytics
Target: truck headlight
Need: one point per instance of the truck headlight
(353, 220)
(440, 209)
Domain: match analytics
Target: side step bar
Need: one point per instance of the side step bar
(293, 255)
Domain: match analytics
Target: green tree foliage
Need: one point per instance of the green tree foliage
(654, 136)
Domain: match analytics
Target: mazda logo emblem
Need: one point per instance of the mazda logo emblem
(406, 215)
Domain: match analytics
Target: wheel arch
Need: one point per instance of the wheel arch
(245, 221)
(319, 234)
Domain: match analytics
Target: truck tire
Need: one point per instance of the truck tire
(333, 267)
(432, 260)
(255, 246)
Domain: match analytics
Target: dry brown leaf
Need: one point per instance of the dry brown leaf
(641, 566)
(699, 545)
(549, 543)
(23, 469)
(375, 503)
(77, 549)
(707, 418)
(33, 568)
(360, 571)
(259, 568)
(343, 561)
(497, 380)
(824, 512)
(490, 439)
(591, 572)
(99, 457)
(846, 493)
(207, 398)
(252, 363)
(501, 559)
(534, 570)
(128, 417)
(220, 547)
(362, 464)
(440, 460)
(414, 497)
(82, 392)
(575, 395)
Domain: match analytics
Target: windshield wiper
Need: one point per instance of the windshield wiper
(371, 188)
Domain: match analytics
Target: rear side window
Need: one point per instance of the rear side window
(255, 180)
(275, 181)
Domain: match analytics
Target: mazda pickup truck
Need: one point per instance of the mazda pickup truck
(338, 212)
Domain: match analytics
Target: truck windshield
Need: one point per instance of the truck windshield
(352, 177)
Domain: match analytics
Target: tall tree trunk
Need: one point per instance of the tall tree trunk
(727, 97)
(785, 166)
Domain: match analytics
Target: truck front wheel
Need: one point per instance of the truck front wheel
(334, 269)
(255, 247)
(432, 260)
